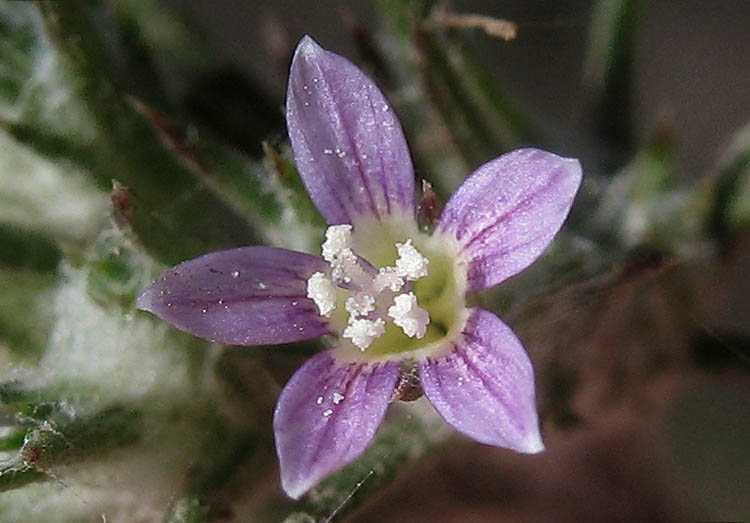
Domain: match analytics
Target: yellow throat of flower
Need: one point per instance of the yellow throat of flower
(392, 292)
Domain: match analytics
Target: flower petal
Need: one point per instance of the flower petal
(327, 415)
(507, 212)
(347, 141)
(245, 296)
(485, 386)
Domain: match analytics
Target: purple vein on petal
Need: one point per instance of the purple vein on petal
(327, 415)
(507, 215)
(329, 199)
(486, 264)
(334, 113)
(357, 166)
(321, 446)
(508, 211)
(347, 142)
(485, 386)
(383, 169)
(245, 296)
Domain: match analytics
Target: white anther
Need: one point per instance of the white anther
(345, 267)
(410, 264)
(406, 314)
(359, 304)
(363, 332)
(367, 291)
(388, 278)
(338, 239)
(322, 291)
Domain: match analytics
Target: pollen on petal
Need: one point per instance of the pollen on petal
(363, 332)
(408, 315)
(410, 264)
(322, 291)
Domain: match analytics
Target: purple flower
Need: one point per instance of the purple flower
(390, 294)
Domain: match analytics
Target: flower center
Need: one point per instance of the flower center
(407, 302)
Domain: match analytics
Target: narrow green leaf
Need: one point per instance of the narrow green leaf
(184, 214)
(269, 193)
(64, 438)
(493, 118)
(454, 115)
(609, 68)
(13, 476)
(446, 90)
(435, 151)
(161, 28)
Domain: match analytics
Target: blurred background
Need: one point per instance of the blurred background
(689, 57)
(137, 134)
